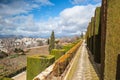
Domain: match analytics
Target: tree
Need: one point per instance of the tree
(48, 41)
(52, 42)
(81, 36)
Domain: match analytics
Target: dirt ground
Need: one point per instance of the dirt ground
(9, 65)
(43, 50)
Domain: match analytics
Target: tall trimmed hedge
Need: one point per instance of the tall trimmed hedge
(107, 39)
(57, 53)
(97, 55)
(38, 63)
(88, 35)
(92, 34)
(112, 38)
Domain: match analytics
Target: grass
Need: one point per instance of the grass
(14, 55)
(1, 67)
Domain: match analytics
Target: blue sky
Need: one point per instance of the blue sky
(40, 17)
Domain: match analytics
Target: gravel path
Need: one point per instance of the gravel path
(85, 70)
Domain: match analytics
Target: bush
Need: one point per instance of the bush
(58, 46)
(3, 54)
(38, 63)
(14, 55)
(57, 53)
(17, 50)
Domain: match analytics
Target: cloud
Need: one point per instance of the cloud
(15, 7)
(84, 1)
(70, 22)
(44, 2)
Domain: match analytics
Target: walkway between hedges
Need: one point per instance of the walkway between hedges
(85, 69)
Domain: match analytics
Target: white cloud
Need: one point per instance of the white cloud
(71, 21)
(16, 7)
(44, 2)
(84, 1)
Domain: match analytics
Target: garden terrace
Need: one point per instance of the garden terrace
(60, 65)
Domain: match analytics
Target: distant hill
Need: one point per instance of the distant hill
(11, 36)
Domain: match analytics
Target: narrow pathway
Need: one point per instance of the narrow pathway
(85, 69)
(21, 76)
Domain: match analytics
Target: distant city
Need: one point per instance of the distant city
(8, 45)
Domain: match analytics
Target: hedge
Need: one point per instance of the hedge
(57, 53)
(112, 38)
(97, 42)
(67, 47)
(63, 61)
(5, 78)
(92, 34)
(38, 63)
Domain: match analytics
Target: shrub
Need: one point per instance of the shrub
(57, 53)
(14, 55)
(3, 54)
(38, 63)
(17, 50)
(58, 46)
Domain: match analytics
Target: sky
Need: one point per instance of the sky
(39, 17)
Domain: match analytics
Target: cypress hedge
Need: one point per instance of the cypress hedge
(57, 53)
(97, 42)
(38, 63)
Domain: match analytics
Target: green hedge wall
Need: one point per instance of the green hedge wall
(38, 63)
(68, 47)
(88, 35)
(112, 42)
(97, 42)
(92, 34)
(57, 53)
(5, 78)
